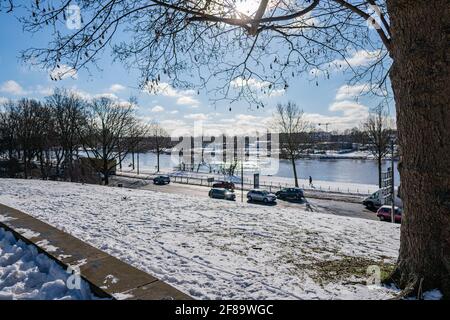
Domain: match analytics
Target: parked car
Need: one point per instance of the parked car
(223, 184)
(290, 194)
(384, 213)
(222, 193)
(261, 195)
(161, 180)
(376, 200)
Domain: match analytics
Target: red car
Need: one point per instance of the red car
(224, 184)
(384, 213)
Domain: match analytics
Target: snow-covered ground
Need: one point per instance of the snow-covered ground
(27, 274)
(214, 249)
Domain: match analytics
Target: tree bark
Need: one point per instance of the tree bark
(420, 79)
(295, 171)
(105, 171)
(157, 160)
(379, 171)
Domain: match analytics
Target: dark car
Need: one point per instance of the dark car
(221, 193)
(161, 180)
(290, 194)
(223, 184)
(384, 214)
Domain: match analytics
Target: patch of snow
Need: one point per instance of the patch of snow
(45, 244)
(4, 218)
(111, 279)
(27, 233)
(27, 274)
(122, 296)
(212, 249)
(433, 295)
(79, 263)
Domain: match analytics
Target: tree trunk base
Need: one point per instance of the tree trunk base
(412, 285)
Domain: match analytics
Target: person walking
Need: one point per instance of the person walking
(310, 181)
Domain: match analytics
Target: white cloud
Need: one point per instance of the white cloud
(108, 95)
(126, 104)
(254, 84)
(184, 97)
(348, 107)
(188, 100)
(350, 92)
(174, 112)
(359, 58)
(63, 72)
(116, 87)
(157, 109)
(45, 91)
(175, 125)
(351, 115)
(82, 94)
(196, 116)
(12, 87)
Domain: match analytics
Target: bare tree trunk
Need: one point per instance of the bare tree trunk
(379, 171)
(295, 171)
(25, 164)
(106, 171)
(157, 159)
(420, 79)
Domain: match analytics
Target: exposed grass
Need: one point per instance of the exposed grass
(349, 269)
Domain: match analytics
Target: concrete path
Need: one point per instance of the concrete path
(107, 276)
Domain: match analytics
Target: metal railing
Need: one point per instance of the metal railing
(272, 186)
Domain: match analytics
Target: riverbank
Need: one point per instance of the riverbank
(272, 183)
(337, 171)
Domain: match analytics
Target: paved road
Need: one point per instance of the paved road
(338, 207)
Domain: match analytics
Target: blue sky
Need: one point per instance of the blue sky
(331, 101)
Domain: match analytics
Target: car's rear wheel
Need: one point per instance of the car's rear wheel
(249, 199)
(265, 200)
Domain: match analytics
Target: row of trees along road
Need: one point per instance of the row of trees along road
(57, 132)
(188, 42)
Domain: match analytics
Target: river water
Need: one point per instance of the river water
(338, 170)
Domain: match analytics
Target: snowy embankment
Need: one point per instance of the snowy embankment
(214, 249)
(27, 274)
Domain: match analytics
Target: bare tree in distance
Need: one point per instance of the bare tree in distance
(111, 133)
(30, 131)
(8, 136)
(159, 141)
(378, 128)
(69, 114)
(294, 130)
(406, 53)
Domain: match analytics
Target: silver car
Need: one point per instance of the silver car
(261, 195)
